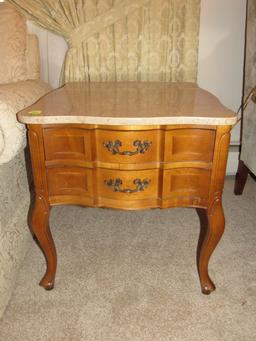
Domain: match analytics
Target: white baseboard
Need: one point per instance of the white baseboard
(232, 161)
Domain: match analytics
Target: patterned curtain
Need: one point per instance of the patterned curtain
(118, 40)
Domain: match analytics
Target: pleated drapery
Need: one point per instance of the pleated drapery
(123, 40)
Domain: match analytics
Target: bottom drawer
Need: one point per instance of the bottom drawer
(128, 185)
(186, 183)
(127, 189)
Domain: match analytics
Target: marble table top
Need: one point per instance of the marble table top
(128, 103)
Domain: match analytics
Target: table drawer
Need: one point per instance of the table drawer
(186, 182)
(189, 145)
(69, 181)
(128, 146)
(128, 185)
(67, 143)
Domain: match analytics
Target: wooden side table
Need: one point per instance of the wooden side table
(129, 146)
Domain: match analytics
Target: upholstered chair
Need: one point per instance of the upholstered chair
(19, 87)
(247, 163)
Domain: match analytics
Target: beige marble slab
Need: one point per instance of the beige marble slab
(128, 103)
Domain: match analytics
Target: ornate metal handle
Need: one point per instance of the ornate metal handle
(116, 184)
(113, 147)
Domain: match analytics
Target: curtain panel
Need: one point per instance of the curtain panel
(122, 40)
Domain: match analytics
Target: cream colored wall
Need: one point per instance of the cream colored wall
(221, 51)
(221, 57)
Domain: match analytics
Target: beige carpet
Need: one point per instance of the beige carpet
(131, 276)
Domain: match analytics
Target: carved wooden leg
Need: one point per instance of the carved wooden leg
(40, 227)
(241, 178)
(212, 227)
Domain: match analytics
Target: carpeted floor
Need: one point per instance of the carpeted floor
(131, 276)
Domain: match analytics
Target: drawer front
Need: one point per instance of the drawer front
(128, 185)
(186, 182)
(189, 145)
(128, 146)
(69, 181)
(67, 143)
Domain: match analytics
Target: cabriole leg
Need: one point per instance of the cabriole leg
(41, 230)
(212, 227)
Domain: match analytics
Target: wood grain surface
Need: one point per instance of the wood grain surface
(149, 167)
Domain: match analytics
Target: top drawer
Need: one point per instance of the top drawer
(128, 146)
(183, 145)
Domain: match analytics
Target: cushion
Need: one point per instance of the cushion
(14, 97)
(13, 33)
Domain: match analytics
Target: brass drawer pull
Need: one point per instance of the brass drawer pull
(116, 184)
(113, 147)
